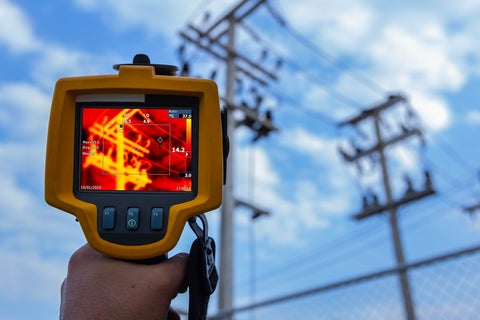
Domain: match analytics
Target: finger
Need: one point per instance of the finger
(176, 268)
(172, 315)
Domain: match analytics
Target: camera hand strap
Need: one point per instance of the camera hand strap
(202, 273)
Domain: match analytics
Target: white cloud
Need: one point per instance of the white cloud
(25, 208)
(302, 199)
(421, 60)
(323, 151)
(56, 61)
(26, 275)
(473, 117)
(24, 111)
(342, 24)
(29, 230)
(433, 110)
(254, 163)
(406, 47)
(52, 60)
(285, 195)
(157, 18)
(15, 200)
(405, 157)
(317, 205)
(305, 208)
(16, 31)
(465, 9)
(315, 98)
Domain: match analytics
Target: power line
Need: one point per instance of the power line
(277, 271)
(196, 10)
(298, 68)
(340, 97)
(371, 203)
(328, 88)
(321, 255)
(324, 261)
(297, 105)
(446, 148)
(219, 40)
(446, 196)
(328, 247)
(307, 43)
(324, 118)
(455, 156)
(369, 83)
(365, 236)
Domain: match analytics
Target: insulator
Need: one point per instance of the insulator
(206, 17)
(428, 180)
(268, 115)
(185, 70)
(181, 50)
(258, 102)
(365, 201)
(375, 199)
(409, 183)
(213, 75)
(279, 63)
(264, 55)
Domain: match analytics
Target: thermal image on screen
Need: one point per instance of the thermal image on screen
(136, 149)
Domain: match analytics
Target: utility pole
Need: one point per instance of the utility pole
(371, 204)
(219, 40)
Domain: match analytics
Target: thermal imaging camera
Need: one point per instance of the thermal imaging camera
(134, 155)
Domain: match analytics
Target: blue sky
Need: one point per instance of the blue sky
(428, 51)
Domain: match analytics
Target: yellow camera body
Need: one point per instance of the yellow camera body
(133, 156)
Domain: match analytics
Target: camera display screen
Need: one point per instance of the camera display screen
(135, 148)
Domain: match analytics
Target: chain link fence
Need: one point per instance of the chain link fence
(445, 287)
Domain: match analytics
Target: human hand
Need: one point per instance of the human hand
(100, 287)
